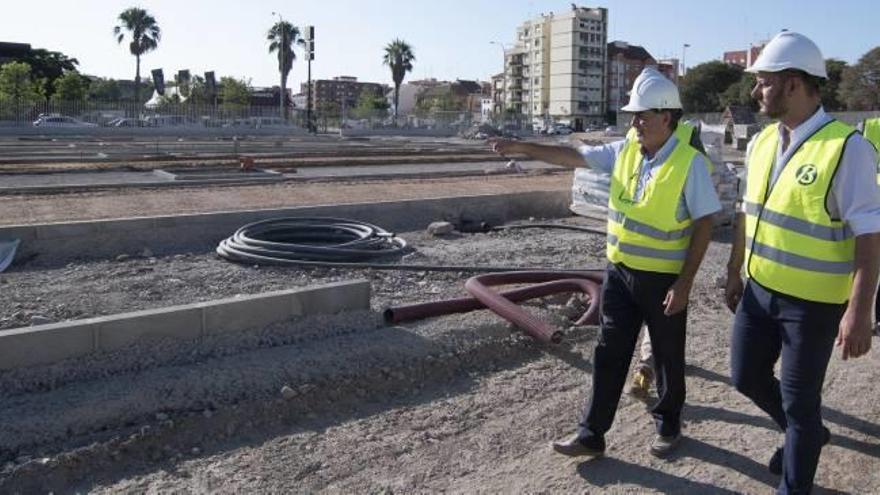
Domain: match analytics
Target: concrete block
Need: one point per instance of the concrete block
(54, 342)
(118, 331)
(240, 313)
(333, 298)
(24, 233)
(46, 344)
(70, 230)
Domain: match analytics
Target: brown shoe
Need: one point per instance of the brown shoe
(663, 446)
(575, 446)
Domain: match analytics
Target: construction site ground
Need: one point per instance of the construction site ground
(459, 403)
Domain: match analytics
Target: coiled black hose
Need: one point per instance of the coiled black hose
(320, 239)
(332, 243)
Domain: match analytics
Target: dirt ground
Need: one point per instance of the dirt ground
(460, 403)
(134, 202)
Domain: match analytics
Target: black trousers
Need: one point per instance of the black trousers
(767, 325)
(629, 298)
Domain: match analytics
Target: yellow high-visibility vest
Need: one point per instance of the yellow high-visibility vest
(645, 234)
(871, 131)
(793, 246)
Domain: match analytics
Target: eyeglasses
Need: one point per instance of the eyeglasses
(642, 116)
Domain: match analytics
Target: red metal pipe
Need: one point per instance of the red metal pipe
(408, 312)
(479, 287)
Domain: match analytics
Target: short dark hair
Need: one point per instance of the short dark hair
(675, 115)
(811, 82)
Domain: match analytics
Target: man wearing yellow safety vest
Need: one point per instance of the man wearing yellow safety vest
(660, 211)
(871, 131)
(808, 243)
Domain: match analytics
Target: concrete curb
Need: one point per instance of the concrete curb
(46, 344)
(60, 242)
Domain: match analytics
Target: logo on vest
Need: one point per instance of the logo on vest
(806, 174)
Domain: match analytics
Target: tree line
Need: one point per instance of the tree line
(43, 75)
(712, 86)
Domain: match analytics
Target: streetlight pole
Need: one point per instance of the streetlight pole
(503, 79)
(684, 48)
(281, 66)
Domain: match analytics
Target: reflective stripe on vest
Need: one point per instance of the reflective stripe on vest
(645, 229)
(797, 261)
(793, 245)
(646, 252)
(645, 234)
(798, 225)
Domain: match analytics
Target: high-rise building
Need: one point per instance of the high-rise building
(743, 58)
(556, 70)
(669, 68)
(625, 63)
(339, 92)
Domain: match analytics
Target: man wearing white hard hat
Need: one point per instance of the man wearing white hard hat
(807, 241)
(660, 211)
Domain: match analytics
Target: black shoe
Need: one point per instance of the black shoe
(775, 464)
(576, 446)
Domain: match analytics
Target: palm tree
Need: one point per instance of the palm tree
(399, 56)
(282, 37)
(144, 33)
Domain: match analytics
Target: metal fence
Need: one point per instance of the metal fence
(130, 114)
(325, 118)
(335, 118)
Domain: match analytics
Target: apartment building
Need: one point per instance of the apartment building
(10, 52)
(669, 67)
(339, 91)
(625, 63)
(743, 58)
(556, 69)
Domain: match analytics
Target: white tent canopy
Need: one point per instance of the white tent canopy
(154, 101)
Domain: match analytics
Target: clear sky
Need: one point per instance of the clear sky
(450, 38)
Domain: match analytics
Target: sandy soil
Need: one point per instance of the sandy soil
(134, 202)
(460, 403)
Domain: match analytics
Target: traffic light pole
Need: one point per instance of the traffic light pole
(309, 97)
(310, 55)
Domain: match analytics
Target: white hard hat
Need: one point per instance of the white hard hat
(652, 91)
(790, 50)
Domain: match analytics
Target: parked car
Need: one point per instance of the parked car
(133, 123)
(60, 121)
(170, 121)
(128, 122)
(559, 129)
(267, 122)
